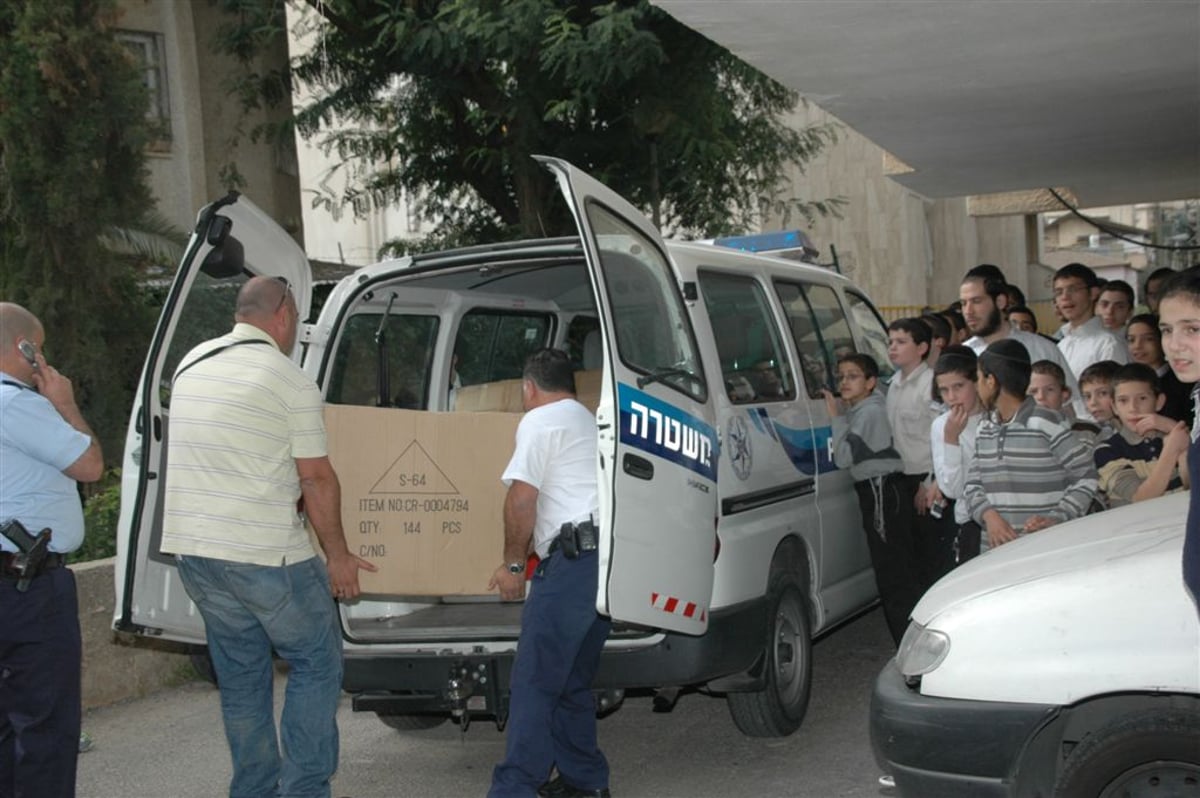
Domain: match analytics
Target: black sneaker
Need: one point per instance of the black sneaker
(559, 788)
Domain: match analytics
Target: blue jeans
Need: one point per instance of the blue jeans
(552, 712)
(247, 611)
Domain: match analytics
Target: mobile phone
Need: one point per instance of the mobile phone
(937, 508)
(29, 352)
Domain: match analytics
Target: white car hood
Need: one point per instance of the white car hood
(1137, 530)
(1093, 607)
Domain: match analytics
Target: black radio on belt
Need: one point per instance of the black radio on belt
(575, 539)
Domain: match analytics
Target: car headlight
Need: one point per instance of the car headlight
(921, 650)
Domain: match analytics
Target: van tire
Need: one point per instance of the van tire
(411, 722)
(1144, 754)
(778, 709)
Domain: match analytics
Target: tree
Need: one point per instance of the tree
(447, 101)
(73, 131)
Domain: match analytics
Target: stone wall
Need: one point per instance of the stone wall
(902, 248)
(117, 666)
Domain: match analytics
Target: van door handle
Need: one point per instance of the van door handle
(638, 467)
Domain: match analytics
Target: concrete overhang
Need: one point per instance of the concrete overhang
(987, 97)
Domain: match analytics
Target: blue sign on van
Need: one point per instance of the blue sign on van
(807, 449)
(662, 429)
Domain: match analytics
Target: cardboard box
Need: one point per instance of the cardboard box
(421, 495)
(505, 395)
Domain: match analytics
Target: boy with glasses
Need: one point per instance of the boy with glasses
(862, 440)
(1084, 339)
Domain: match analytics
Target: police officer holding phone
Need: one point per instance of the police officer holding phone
(45, 448)
(550, 506)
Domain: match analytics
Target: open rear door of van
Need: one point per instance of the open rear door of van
(233, 241)
(658, 444)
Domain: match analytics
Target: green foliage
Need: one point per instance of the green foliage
(446, 102)
(101, 511)
(73, 132)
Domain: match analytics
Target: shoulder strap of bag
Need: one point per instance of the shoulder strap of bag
(213, 353)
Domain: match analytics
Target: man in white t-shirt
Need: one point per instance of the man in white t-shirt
(551, 507)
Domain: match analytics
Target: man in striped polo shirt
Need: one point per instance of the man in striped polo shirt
(1030, 471)
(246, 444)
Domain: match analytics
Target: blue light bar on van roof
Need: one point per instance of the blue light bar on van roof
(770, 242)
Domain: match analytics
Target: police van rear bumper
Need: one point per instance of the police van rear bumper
(433, 682)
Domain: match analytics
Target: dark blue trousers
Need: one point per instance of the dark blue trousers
(552, 714)
(40, 690)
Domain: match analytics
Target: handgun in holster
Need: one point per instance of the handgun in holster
(31, 551)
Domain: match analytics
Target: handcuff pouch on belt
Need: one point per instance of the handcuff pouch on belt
(577, 539)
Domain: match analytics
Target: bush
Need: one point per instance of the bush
(100, 514)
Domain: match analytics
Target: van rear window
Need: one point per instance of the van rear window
(408, 346)
(492, 345)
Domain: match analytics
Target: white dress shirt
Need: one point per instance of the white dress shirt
(1090, 343)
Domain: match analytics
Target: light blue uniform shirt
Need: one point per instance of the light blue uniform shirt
(36, 444)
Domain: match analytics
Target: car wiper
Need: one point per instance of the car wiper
(662, 375)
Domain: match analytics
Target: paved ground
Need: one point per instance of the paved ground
(170, 745)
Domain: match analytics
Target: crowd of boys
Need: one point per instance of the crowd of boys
(989, 430)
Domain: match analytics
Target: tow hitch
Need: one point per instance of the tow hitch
(470, 689)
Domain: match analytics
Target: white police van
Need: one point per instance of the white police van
(729, 539)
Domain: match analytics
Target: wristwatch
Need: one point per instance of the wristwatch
(515, 567)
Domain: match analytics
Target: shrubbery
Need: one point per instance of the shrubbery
(100, 514)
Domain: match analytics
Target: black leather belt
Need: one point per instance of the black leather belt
(8, 564)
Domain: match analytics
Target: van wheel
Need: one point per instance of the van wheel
(411, 722)
(777, 710)
(1142, 756)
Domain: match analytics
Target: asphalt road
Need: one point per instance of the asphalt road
(171, 745)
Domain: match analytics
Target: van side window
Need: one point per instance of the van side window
(652, 332)
(873, 331)
(584, 344)
(204, 315)
(820, 330)
(753, 362)
(409, 341)
(492, 345)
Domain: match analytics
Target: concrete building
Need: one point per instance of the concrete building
(960, 116)
(352, 235)
(907, 234)
(206, 132)
(904, 249)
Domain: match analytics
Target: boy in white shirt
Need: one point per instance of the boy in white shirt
(953, 440)
(1085, 340)
(910, 414)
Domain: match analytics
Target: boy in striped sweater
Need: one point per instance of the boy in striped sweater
(1030, 471)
